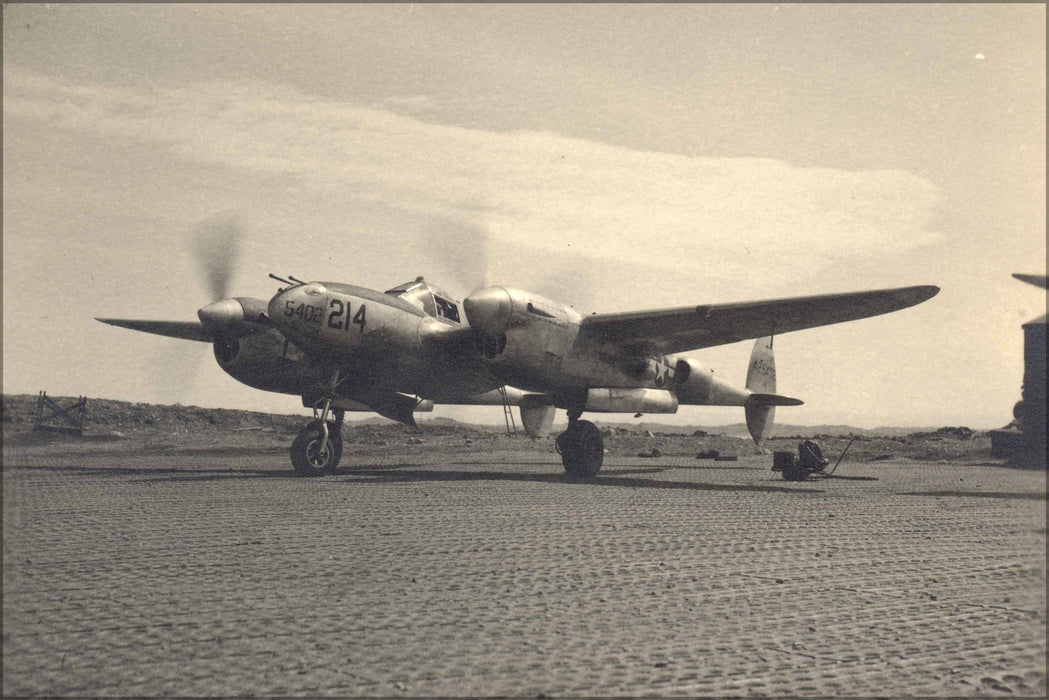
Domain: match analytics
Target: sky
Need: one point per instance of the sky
(615, 157)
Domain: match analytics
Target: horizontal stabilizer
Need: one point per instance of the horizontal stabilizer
(773, 400)
(185, 330)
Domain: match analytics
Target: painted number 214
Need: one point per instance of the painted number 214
(337, 319)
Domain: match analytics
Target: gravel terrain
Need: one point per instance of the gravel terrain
(465, 565)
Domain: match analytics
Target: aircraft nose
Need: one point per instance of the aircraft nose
(275, 305)
(311, 293)
(488, 310)
(221, 313)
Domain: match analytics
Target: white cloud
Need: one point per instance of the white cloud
(543, 188)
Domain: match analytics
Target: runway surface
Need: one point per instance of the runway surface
(216, 572)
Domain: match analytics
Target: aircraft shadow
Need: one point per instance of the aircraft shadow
(980, 494)
(223, 475)
(697, 467)
(411, 473)
(851, 478)
(609, 478)
(176, 473)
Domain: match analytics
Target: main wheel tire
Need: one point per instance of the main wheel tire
(309, 457)
(335, 435)
(582, 450)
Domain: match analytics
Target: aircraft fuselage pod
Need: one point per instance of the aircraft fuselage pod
(391, 340)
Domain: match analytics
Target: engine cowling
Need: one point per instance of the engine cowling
(524, 336)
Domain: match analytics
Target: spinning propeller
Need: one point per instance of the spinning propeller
(216, 248)
(470, 260)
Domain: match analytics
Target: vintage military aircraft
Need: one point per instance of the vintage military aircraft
(343, 347)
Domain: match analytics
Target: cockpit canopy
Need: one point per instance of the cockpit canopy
(433, 302)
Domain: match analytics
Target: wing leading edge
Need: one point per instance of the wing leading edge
(186, 330)
(693, 327)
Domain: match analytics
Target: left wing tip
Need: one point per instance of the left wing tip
(920, 293)
(185, 330)
(1036, 280)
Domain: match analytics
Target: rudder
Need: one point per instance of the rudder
(761, 379)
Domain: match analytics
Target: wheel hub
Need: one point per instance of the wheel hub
(317, 454)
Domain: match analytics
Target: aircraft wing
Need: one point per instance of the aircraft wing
(1036, 280)
(693, 327)
(186, 330)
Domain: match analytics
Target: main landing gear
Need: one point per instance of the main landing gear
(581, 447)
(318, 447)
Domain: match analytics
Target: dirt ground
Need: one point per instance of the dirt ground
(445, 562)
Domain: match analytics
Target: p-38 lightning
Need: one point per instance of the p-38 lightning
(347, 348)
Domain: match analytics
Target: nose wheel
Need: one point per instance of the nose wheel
(582, 449)
(318, 447)
(316, 452)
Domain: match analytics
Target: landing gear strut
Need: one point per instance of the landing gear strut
(582, 448)
(318, 447)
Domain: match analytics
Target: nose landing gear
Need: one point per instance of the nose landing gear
(581, 447)
(318, 447)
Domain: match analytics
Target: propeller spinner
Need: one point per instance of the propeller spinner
(488, 310)
(219, 314)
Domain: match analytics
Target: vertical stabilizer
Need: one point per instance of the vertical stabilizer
(761, 379)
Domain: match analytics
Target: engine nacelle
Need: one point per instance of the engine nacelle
(266, 360)
(524, 336)
(493, 310)
(697, 385)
